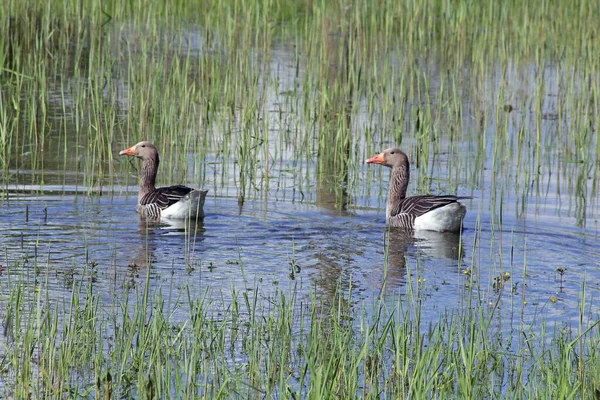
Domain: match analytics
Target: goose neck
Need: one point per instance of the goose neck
(148, 177)
(397, 190)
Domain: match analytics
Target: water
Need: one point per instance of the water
(278, 245)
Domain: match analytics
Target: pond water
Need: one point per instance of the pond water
(279, 245)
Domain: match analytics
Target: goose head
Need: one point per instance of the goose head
(143, 150)
(392, 158)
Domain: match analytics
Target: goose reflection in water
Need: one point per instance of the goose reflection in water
(153, 247)
(400, 243)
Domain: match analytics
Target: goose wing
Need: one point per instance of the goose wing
(165, 197)
(416, 206)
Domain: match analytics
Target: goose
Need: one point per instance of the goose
(428, 212)
(177, 202)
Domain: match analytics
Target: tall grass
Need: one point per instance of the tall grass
(254, 87)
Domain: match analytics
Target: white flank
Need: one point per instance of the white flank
(444, 219)
(191, 206)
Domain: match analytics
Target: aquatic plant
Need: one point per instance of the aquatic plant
(185, 344)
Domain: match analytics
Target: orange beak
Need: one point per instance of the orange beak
(378, 159)
(128, 152)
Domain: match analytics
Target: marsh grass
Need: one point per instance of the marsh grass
(278, 345)
(255, 87)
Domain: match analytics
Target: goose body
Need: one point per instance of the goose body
(431, 213)
(176, 201)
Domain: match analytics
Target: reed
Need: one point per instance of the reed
(227, 81)
(279, 345)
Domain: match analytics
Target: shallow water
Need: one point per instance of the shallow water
(278, 245)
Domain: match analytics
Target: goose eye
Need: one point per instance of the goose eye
(392, 152)
(143, 145)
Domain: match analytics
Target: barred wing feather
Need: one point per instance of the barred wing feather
(416, 206)
(165, 197)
